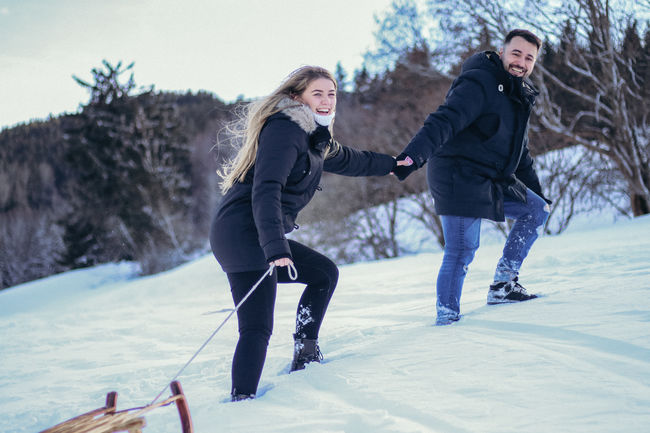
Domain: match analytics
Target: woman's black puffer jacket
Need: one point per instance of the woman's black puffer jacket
(248, 230)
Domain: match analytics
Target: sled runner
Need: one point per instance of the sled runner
(108, 420)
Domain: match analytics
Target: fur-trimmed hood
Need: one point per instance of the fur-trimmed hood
(299, 113)
(302, 115)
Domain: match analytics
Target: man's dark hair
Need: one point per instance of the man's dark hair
(526, 34)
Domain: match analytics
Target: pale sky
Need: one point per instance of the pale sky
(227, 47)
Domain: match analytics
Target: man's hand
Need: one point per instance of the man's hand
(405, 166)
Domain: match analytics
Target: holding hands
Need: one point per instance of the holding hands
(404, 167)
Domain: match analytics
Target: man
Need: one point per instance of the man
(476, 145)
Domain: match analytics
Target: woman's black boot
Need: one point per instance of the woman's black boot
(305, 350)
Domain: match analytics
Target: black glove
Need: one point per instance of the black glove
(320, 138)
(403, 171)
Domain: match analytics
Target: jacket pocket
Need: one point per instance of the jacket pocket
(470, 186)
(305, 172)
(300, 173)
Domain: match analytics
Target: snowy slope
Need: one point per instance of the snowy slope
(575, 360)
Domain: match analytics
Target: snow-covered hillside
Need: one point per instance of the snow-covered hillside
(575, 360)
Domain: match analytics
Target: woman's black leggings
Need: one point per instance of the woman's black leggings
(255, 316)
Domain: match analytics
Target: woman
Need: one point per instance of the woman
(287, 145)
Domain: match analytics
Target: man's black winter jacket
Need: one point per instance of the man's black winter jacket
(476, 143)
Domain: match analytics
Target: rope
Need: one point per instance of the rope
(131, 419)
(293, 274)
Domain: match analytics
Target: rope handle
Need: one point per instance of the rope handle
(250, 292)
(293, 274)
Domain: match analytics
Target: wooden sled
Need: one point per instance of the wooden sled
(108, 420)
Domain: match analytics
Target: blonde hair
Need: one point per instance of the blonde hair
(255, 114)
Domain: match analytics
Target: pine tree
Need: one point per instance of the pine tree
(132, 169)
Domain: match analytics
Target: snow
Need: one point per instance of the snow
(575, 360)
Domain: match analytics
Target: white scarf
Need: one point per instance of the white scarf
(324, 120)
